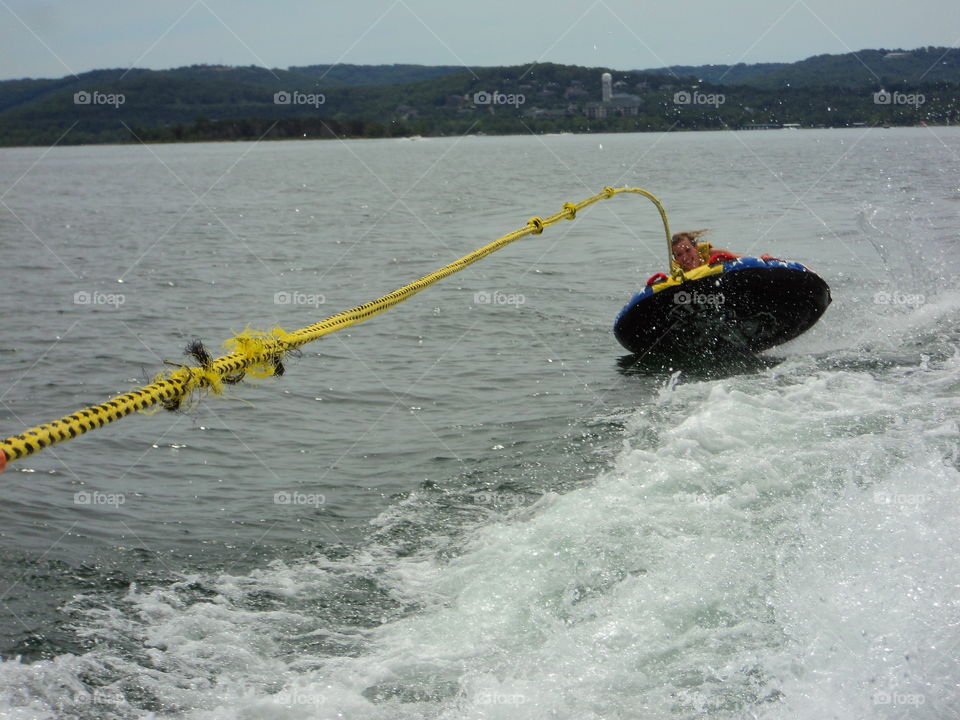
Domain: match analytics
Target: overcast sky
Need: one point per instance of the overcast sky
(52, 38)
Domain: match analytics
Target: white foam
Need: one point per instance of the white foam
(681, 581)
(775, 545)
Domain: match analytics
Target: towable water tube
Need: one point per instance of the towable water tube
(739, 305)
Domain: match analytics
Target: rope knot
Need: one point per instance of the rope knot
(609, 191)
(571, 210)
(537, 224)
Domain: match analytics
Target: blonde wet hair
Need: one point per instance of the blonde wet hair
(690, 235)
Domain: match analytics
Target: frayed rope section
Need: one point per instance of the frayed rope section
(261, 354)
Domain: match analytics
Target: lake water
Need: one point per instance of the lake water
(469, 509)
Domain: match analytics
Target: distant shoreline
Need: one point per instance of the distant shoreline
(206, 103)
(197, 141)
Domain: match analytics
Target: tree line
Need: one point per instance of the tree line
(210, 103)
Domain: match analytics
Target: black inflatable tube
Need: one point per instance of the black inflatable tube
(752, 305)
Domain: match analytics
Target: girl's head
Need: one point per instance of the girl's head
(684, 247)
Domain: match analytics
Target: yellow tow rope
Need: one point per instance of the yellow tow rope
(261, 354)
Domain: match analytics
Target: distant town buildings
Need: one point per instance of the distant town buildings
(612, 104)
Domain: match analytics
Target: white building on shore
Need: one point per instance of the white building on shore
(612, 104)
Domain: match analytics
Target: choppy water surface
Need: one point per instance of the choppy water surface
(470, 507)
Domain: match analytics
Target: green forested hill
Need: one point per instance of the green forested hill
(16, 92)
(865, 68)
(205, 102)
